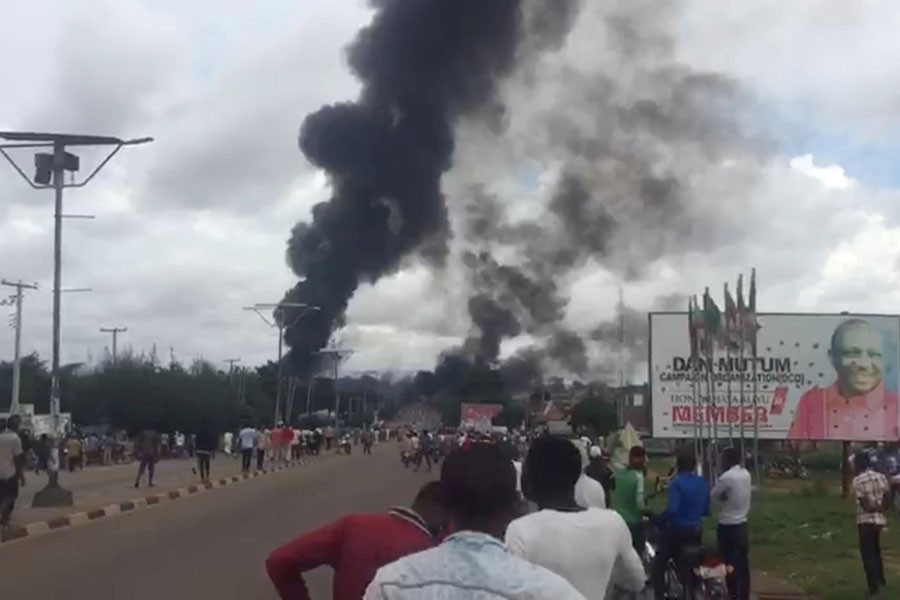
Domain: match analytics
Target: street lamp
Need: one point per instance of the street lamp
(50, 171)
(279, 322)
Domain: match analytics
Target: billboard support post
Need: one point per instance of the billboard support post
(741, 396)
(756, 466)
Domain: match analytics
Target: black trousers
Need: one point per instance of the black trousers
(673, 543)
(246, 457)
(734, 547)
(203, 463)
(9, 491)
(260, 459)
(638, 537)
(870, 550)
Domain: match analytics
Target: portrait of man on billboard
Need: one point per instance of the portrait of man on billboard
(858, 405)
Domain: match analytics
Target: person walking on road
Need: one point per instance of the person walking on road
(870, 489)
(586, 545)
(227, 443)
(329, 437)
(357, 546)
(148, 449)
(368, 439)
(247, 440)
(733, 491)
(263, 443)
(12, 467)
(479, 490)
(205, 444)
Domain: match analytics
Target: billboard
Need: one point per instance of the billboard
(817, 377)
(479, 416)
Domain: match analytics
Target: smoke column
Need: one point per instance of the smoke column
(423, 64)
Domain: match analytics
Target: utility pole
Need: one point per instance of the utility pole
(14, 403)
(281, 324)
(115, 331)
(51, 165)
(337, 355)
(231, 362)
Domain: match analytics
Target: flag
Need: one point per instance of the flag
(712, 322)
(695, 324)
(731, 320)
(751, 327)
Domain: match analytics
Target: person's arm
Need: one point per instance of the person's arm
(629, 570)
(720, 490)
(287, 564)
(19, 461)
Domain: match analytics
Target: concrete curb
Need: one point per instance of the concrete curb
(37, 528)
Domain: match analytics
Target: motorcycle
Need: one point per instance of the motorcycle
(787, 468)
(406, 458)
(346, 446)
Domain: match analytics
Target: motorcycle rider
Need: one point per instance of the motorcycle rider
(682, 521)
(426, 447)
(628, 496)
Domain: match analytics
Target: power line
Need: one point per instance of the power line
(17, 323)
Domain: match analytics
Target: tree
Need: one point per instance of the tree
(596, 414)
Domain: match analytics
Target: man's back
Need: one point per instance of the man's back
(625, 499)
(468, 566)
(148, 443)
(584, 547)
(355, 546)
(688, 501)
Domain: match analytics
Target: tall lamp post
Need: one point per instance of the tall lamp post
(115, 331)
(278, 321)
(17, 355)
(51, 165)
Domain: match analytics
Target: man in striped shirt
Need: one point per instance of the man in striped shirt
(870, 489)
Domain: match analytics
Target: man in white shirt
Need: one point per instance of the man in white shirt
(589, 493)
(12, 462)
(733, 491)
(589, 547)
(247, 440)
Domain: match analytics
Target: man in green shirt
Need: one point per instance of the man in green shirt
(628, 496)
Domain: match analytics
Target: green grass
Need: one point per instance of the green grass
(804, 533)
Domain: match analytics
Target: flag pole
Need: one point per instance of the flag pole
(729, 316)
(741, 366)
(712, 426)
(693, 310)
(755, 351)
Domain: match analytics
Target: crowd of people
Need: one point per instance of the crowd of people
(524, 515)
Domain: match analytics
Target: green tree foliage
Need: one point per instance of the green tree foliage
(596, 414)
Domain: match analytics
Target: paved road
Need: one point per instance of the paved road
(209, 546)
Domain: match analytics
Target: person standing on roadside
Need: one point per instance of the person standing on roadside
(205, 444)
(870, 489)
(147, 448)
(12, 465)
(263, 442)
(628, 497)
(247, 440)
(733, 491)
(586, 545)
(357, 545)
(329, 437)
(368, 439)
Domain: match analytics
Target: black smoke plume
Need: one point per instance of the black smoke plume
(423, 65)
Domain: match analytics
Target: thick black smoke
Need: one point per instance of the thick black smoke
(423, 65)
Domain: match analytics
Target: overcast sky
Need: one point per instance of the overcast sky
(192, 228)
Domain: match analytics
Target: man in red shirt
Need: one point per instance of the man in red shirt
(357, 546)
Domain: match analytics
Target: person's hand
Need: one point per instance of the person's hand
(22, 480)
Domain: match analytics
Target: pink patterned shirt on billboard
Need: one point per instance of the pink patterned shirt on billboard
(823, 414)
(857, 407)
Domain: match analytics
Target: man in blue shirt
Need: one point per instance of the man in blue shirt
(682, 521)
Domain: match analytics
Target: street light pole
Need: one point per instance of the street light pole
(115, 331)
(279, 323)
(50, 172)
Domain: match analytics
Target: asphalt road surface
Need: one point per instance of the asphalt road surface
(209, 546)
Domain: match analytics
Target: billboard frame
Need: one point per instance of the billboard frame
(685, 315)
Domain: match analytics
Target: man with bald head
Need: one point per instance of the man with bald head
(857, 406)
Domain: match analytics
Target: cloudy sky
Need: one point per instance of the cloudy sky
(191, 228)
